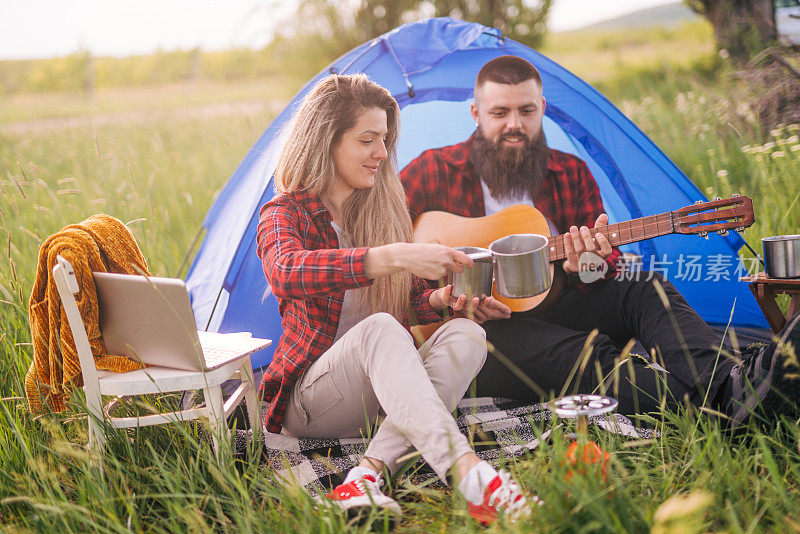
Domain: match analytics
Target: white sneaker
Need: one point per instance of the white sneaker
(502, 496)
(362, 494)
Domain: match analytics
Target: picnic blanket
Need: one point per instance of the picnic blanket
(501, 429)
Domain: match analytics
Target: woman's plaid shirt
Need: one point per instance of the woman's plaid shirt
(309, 274)
(444, 179)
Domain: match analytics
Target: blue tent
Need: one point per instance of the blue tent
(430, 67)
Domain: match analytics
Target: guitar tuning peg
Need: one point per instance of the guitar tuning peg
(716, 198)
(722, 232)
(698, 201)
(734, 195)
(703, 234)
(741, 229)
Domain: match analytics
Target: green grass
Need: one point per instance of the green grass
(597, 56)
(711, 133)
(150, 157)
(23, 110)
(80, 72)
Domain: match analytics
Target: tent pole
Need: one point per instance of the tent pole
(211, 315)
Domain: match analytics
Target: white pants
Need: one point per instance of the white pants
(374, 366)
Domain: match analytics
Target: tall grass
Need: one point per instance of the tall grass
(82, 73)
(159, 172)
(126, 103)
(601, 56)
(710, 130)
(158, 176)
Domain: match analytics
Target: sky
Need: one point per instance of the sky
(47, 28)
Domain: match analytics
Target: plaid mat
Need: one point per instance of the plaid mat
(499, 428)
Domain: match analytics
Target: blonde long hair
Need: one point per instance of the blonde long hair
(372, 217)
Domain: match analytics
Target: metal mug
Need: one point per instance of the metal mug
(475, 281)
(522, 265)
(782, 256)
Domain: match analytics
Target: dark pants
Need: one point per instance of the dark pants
(551, 350)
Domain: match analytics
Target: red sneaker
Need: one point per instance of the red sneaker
(362, 494)
(502, 496)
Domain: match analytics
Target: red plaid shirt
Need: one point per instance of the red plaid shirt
(443, 179)
(309, 273)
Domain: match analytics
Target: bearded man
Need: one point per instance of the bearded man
(507, 161)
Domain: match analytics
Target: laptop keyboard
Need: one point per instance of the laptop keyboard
(219, 349)
(215, 354)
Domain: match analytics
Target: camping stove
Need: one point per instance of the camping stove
(581, 407)
(582, 453)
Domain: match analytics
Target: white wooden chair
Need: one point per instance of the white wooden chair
(152, 380)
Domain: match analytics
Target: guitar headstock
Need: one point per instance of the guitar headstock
(718, 215)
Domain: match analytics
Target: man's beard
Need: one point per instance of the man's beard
(510, 172)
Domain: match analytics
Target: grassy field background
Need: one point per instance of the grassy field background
(155, 156)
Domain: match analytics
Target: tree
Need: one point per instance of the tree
(516, 19)
(321, 30)
(742, 27)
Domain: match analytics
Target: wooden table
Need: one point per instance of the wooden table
(765, 290)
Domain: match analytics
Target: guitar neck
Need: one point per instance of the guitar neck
(622, 233)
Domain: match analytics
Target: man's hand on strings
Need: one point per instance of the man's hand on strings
(580, 240)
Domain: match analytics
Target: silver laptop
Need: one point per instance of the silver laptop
(150, 320)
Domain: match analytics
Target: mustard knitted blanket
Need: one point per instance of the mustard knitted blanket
(100, 243)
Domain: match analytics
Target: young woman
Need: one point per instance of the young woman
(336, 251)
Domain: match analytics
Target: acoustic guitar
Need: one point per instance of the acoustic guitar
(701, 218)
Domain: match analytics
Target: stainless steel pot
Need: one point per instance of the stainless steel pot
(475, 281)
(522, 266)
(782, 256)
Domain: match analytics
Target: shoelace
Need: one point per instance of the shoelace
(369, 487)
(510, 496)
